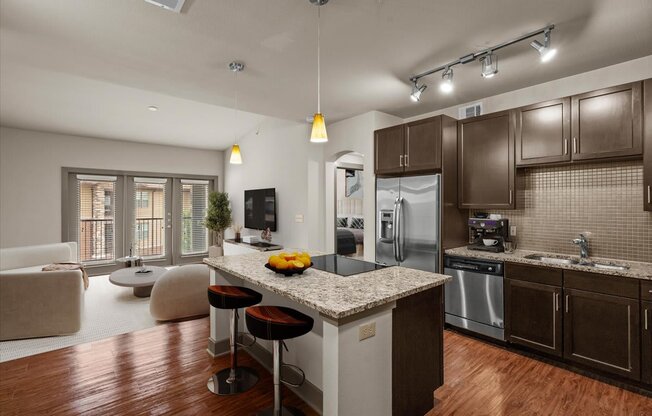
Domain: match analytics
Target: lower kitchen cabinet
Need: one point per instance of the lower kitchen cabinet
(646, 342)
(533, 316)
(602, 331)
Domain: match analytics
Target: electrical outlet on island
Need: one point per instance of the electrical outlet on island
(366, 331)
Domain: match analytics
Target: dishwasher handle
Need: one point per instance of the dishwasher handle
(473, 265)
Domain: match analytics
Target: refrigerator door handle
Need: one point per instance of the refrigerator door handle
(395, 230)
(399, 232)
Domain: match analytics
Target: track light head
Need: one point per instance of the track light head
(546, 53)
(417, 91)
(489, 65)
(446, 85)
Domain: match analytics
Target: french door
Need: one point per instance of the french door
(157, 217)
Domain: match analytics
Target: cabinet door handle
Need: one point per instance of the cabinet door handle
(510, 196)
(565, 146)
(649, 198)
(645, 319)
(556, 302)
(400, 160)
(567, 296)
(574, 145)
(407, 160)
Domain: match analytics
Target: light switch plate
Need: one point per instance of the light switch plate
(298, 218)
(367, 331)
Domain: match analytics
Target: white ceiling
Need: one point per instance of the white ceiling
(92, 67)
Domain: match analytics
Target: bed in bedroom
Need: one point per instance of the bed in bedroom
(350, 236)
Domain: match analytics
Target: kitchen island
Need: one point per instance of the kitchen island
(377, 344)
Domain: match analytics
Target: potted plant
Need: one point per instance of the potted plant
(218, 219)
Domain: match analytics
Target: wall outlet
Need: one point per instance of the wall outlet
(512, 230)
(367, 331)
(298, 218)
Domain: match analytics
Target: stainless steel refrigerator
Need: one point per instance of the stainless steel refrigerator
(407, 221)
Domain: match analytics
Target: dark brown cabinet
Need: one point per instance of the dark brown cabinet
(543, 132)
(533, 316)
(647, 155)
(423, 145)
(607, 123)
(389, 147)
(486, 161)
(646, 342)
(411, 148)
(602, 331)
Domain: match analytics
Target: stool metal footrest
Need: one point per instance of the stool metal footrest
(298, 369)
(220, 383)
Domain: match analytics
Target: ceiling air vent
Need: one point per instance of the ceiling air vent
(171, 5)
(472, 110)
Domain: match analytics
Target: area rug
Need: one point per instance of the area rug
(108, 310)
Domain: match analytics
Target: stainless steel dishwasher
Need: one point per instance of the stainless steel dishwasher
(474, 298)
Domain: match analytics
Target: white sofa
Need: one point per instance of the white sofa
(34, 303)
(181, 293)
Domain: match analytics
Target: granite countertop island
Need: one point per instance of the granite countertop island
(635, 270)
(331, 295)
(359, 358)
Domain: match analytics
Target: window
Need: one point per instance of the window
(95, 213)
(149, 217)
(194, 202)
(142, 199)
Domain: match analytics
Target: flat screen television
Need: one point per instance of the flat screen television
(260, 209)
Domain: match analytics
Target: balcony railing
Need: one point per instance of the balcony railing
(150, 237)
(96, 240)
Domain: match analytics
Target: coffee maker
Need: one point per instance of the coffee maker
(485, 228)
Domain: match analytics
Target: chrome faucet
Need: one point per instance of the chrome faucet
(583, 242)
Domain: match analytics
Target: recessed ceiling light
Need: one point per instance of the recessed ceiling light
(152, 108)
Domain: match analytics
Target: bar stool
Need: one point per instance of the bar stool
(235, 379)
(278, 323)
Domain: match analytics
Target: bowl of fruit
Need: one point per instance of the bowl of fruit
(289, 264)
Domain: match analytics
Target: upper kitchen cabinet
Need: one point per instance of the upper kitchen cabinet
(389, 145)
(607, 123)
(486, 161)
(411, 148)
(543, 132)
(647, 155)
(423, 145)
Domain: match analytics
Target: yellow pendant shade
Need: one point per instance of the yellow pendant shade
(318, 134)
(236, 157)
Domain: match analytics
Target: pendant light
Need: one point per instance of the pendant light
(236, 156)
(318, 134)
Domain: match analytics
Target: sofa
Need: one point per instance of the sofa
(181, 293)
(34, 303)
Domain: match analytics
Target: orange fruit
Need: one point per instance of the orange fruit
(274, 260)
(297, 264)
(305, 260)
(282, 265)
(290, 257)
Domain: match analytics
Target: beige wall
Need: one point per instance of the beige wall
(30, 175)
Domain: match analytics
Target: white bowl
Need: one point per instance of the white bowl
(489, 241)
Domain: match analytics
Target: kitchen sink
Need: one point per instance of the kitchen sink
(607, 266)
(551, 260)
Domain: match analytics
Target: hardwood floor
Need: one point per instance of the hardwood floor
(163, 370)
(482, 379)
(157, 371)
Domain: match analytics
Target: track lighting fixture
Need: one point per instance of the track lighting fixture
(417, 91)
(487, 58)
(546, 53)
(489, 65)
(446, 84)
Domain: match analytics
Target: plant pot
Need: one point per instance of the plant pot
(215, 251)
(238, 238)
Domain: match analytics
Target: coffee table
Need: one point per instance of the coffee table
(141, 282)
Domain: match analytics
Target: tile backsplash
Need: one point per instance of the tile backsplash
(555, 204)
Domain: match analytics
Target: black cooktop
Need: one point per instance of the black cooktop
(343, 266)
